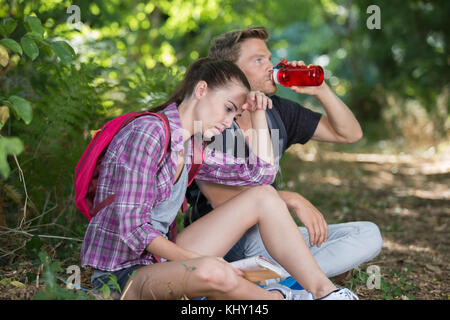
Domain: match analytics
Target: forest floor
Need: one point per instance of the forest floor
(407, 196)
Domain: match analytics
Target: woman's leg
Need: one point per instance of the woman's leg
(215, 233)
(202, 277)
(349, 245)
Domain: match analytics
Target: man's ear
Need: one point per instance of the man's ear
(200, 90)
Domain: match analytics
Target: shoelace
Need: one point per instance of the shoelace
(347, 293)
(303, 296)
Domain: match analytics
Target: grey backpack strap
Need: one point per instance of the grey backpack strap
(275, 123)
(279, 137)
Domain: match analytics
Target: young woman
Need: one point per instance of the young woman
(128, 234)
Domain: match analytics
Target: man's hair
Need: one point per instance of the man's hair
(227, 46)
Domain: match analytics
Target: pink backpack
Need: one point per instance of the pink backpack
(88, 167)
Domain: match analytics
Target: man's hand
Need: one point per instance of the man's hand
(311, 218)
(339, 125)
(314, 222)
(310, 90)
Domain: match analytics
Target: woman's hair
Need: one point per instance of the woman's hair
(216, 73)
(227, 46)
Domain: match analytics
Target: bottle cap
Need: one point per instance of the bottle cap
(275, 75)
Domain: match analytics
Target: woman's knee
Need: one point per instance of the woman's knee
(266, 197)
(216, 274)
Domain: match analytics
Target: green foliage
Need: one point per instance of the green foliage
(32, 37)
(12, 45)
(69, 105)
(395, 285)
(8, 146)
(52, 290)
(21, 108)
(111, 283)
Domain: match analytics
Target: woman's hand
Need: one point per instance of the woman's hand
(256, 100)
(238, 271)
(259, 137)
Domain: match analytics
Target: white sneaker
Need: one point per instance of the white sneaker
(290, 294)
(340, 294)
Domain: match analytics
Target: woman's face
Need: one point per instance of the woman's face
(218, 107)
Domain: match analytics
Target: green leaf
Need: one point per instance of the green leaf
(4, 56)
(106, 291)
(44, 46)
(8, 26)
(4, 115)
(22, 108)
(17, 284)
(10, 145)
(12, 45)
(35, 25)
(35, 243)
(33, 35)
(30, 47)
(63, 51)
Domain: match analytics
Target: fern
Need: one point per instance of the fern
(68, 103)
(67, 108)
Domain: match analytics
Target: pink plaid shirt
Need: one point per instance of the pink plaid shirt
(117, 236)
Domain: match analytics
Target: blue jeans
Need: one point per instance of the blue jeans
(99, 278)
(348, 245)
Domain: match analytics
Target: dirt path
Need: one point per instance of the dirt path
(407, 197)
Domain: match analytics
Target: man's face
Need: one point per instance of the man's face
(254, 61)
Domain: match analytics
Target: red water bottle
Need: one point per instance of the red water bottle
(289, 76)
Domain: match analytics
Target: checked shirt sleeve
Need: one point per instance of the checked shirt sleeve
(223, 168)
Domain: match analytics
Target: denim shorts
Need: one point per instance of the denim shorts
(100, 277)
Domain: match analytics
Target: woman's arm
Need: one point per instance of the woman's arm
(257, 169)
(166, 249)
(260, 142)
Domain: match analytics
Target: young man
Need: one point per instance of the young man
(337, 248)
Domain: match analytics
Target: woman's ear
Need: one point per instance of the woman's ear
(200, 90)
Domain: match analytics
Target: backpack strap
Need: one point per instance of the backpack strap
(198, 157)
(274, 122)
(165, 120)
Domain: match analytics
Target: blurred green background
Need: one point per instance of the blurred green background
(60, 79)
